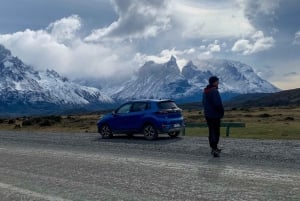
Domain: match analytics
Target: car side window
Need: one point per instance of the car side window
(124, 109)
(138, 107)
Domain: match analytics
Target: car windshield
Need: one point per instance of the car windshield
(124, 109)
(166, 105)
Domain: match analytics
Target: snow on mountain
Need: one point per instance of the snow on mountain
(237, 77)
(154, 80)
(21, 84)
(166, 80)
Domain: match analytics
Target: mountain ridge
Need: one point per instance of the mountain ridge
(165, 80)
(24, 90)
(29, 90)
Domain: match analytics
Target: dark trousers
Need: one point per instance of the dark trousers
(214, 132)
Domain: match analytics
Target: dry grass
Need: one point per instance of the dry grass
(261, 123)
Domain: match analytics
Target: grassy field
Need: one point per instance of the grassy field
(261, 123)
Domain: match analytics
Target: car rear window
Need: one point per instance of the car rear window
(166, 105)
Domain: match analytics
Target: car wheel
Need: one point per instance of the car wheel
(130, 135)
(106, 132)
(150, 132)
(174, 134)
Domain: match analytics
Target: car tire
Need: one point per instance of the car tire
(150, 132)
(174, 134)
(130, 135)
(106, 132)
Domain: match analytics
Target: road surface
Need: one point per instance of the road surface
(60, 166)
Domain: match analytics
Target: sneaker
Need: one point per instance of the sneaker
(215, 153)
(218, 150)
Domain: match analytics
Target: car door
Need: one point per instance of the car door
(135, 117)
(120, 118)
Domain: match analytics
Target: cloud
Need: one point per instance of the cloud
(291, 74)
(165, 56)
(64, 30)
(60, 47)
(215, 47)
(137, 19)
(182, 56)
(257, 43)
(259, 7)
(197, 19)
(288, 81)
(297, 38)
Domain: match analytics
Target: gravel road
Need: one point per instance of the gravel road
(52, 166)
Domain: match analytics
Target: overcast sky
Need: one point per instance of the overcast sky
(102, 38)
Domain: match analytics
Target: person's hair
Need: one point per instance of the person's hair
(213, 79)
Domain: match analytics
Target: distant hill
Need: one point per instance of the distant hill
(282, 98)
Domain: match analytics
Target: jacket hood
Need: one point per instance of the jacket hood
(209, 88)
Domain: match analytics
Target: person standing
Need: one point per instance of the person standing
(214, 112)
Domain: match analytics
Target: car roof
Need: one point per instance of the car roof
(149, 100)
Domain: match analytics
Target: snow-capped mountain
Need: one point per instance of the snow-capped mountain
(237, 77)
(20, 84)
(24, 90)
(166, 80)
(154, 80)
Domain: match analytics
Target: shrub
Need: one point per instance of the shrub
(248, 115)
(27, 122)
(265, 115)
(289, 119)
(36, 120)
(55, 118)
(11, 121)
(245, 109)
(18, 126)
(1, 121)
(194, 117)
(45, 122)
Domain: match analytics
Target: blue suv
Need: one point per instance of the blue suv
(148, 117)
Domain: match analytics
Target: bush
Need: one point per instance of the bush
(18, 126)
(1, 121)
(45, 122)
(27, 122)
(42, 121)
(289, 119)
(195, 117)
(248, 115)
(245, 109)
(11, 121)
(55, 118)
(265, 115)
(36, 120)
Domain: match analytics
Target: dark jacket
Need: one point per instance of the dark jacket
(212, 103)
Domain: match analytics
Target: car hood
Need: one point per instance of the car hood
(105, 117)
